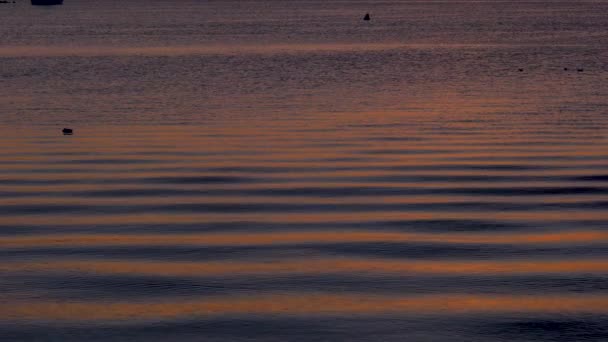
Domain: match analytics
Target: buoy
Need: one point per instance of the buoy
(67, 131)
(367, 17)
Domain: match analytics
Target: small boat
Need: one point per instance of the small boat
(46, 2)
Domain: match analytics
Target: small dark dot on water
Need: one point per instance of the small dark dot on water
(520, 69)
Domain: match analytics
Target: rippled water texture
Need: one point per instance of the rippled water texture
(284, 171)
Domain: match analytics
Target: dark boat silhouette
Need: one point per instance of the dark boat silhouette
(46, 2)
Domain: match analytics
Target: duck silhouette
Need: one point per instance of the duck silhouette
(67, 131)
(367, 17)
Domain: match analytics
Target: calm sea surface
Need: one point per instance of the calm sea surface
(285, 171)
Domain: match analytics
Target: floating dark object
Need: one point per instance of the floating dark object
(67, 131)
(46, 2)
(580, 70)
(520, 69)
(565, 69)
(367, 17)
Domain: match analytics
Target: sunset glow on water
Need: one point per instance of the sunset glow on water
(285, 171)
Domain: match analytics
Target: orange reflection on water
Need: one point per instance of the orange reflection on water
(313, 217)
(314, 266)
(273, 238)
(305, 304)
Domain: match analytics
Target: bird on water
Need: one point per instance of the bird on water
(67, 131)
(367, 17)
